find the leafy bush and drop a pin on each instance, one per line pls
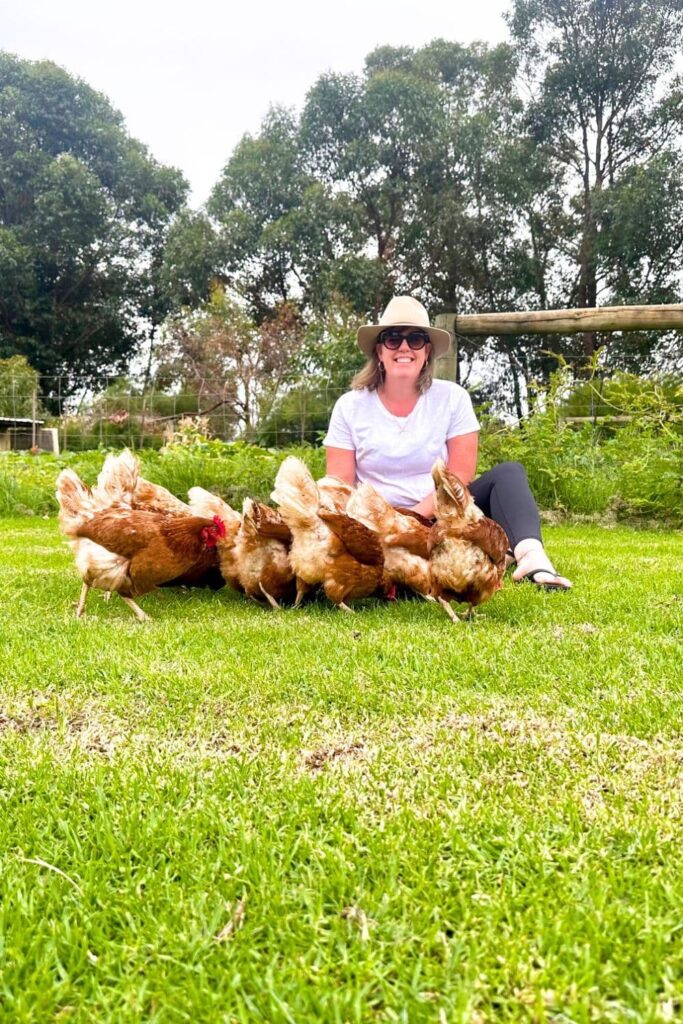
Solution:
(634, 470)
(234, 470)
(630, 468)
(18, 381)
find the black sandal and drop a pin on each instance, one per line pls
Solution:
(531, 576)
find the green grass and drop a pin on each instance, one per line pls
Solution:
(425, 822)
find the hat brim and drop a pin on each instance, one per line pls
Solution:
(369, 333)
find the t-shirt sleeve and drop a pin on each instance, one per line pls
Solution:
(463, 419)
(339, 431)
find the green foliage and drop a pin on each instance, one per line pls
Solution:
(631, 472)
(83, 216)
(606, 107)
(18, 381)
(277, 224)
(234, 470)
(635, 470)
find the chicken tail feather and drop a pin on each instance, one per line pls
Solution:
(370, 507)
(76, 502)
(449, 486)
(296, 494)
(117, 479)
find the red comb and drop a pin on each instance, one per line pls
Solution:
(220, 525)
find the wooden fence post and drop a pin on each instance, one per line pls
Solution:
(34, 410)
(446, 366)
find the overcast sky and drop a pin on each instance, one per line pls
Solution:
(191, 78)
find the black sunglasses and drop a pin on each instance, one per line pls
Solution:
(394, 336)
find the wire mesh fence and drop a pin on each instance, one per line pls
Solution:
(73, 415)
(76, 416)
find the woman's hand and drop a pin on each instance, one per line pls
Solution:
(426, 507)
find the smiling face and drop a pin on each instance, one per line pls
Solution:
(405, 362)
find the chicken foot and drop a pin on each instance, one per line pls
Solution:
(80, 607)
(85, 589)
(302, 588)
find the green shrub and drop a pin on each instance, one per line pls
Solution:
(631, 468)
(634, 470)
(233, 470)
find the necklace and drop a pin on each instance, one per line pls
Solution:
(401, 419)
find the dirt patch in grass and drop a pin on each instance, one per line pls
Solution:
(315, 760)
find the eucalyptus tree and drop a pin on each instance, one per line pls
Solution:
(84, 212)
(606, 105)
(374, 139)
(279, 228)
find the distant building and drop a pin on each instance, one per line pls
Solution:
(17, 435)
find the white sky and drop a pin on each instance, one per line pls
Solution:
(191, 78)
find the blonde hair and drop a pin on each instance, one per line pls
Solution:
(371, 375)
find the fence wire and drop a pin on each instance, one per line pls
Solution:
(79, 415)
(75, 415)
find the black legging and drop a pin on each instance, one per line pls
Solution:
(503, 495)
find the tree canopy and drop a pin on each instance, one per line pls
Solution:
(84, 212)
(543, 172)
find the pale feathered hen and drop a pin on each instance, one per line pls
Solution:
(404, 538)
(120, 480)
(328, 546)
(467, 550)
(262, 553)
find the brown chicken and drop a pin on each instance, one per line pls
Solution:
(467, 550)
(143, 549)
(328, 546)
(262, 551)
(120, 481)
(405, 539)
(253, 554)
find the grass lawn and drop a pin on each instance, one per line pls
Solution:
(230, 814)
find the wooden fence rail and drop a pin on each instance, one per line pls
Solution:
(567, 321)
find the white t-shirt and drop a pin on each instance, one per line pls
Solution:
(396, 453)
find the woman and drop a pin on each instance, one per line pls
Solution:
(396, 421)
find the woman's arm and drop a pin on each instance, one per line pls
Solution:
(462, 460)
(462, 456)
(342, 463)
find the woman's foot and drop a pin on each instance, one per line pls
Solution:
(534, 565)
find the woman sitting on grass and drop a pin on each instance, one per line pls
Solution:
(394, 424)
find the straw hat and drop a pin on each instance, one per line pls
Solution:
(403, 311)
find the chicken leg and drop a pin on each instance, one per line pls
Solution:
(136, 609)
(80, 607)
